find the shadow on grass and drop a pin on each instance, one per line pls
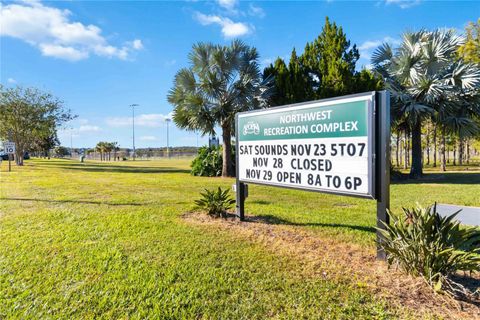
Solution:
(112, 168)
(443, 177)
(263, 202)
(73, 201)
(471, 285)
(270, 219)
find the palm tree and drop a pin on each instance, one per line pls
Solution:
(221, 81)
(425, 76)
(116, 148)
(101, 148)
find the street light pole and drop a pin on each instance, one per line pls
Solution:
(71, 142)
(133, 128)
(168, 142)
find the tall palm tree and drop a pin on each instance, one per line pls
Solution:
(116, 148)
(221, 81)
(101, 148)
(425, 76)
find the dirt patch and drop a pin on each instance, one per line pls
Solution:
(329, 258)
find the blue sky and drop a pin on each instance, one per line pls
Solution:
(100, 57)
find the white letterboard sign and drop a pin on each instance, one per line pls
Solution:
(324, 145)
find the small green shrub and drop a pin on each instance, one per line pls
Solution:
(208, 162)
(215, 202)
(423, 243)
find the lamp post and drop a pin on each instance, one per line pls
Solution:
(168, 142)
(133, 128)
(71, 142)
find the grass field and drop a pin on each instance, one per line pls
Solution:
(107, 240)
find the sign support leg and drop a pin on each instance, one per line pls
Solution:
(240, 203)
(382, 165)
(9, 162)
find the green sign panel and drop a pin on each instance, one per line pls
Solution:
(334, 121)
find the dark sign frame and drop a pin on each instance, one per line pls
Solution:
(380, 166)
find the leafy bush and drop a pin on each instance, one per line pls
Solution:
(425, 244)
(208, 162)
(215, 202)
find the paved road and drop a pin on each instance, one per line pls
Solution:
(468, 215)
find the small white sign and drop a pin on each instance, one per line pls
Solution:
(9, 147)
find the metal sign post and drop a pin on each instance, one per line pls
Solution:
(338, 146)
(382, 165)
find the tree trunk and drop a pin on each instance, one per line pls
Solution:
(409, 147)
(396, 149)
(435, 145)
(467, 155)
(405, 148)
(19, 151)
(416, 168)
(227, 167)
(454, 155)
(460, 151)
(443, 158)
(428, 144)
(400, 153)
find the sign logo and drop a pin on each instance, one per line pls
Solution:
(251, 127)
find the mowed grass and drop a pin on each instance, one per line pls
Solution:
(107, 240)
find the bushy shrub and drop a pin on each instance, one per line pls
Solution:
(423, 243)
(208, 162)
(215, 202)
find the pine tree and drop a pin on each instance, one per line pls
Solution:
(279, 71)
(330, 62)
(325, 69)
(298, 84)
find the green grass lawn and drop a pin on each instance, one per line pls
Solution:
(107, 240)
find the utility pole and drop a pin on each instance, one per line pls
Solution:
(168, 143)
(133, 128)
(71, 142)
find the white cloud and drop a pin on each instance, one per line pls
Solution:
(148, 138)
(11, 80)
(143, 120)
(404, 4)
(89, 128)
(256, 11)
(227, 4)
(62, 52)
(170, 63)
(230, 29)
(368, 47)
(51, 31)
(137, 44)
(84, 128)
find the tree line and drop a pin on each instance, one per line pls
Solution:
(105, 149)
(433, 78)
